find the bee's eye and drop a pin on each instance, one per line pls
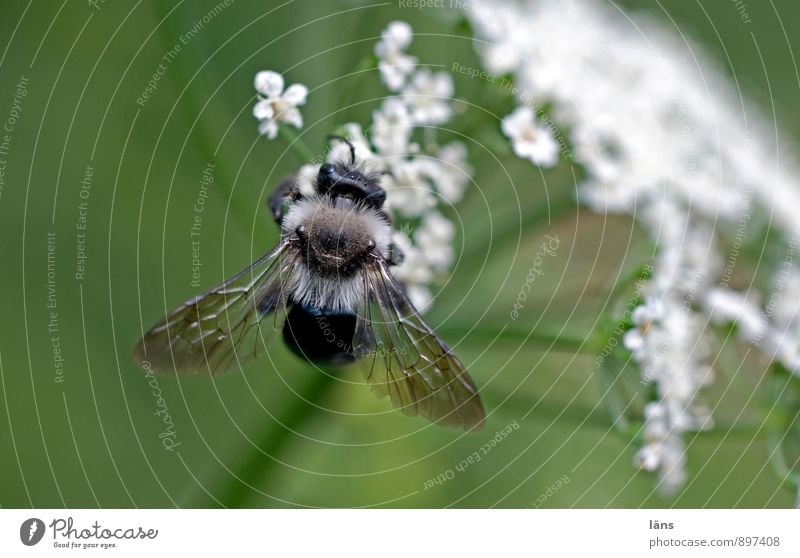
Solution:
(370, 245)
(300, 231)
(327, 168)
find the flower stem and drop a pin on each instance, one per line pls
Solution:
(548, 341)
(366, 64)
(782, 418)
(259, 465)
(297, 145)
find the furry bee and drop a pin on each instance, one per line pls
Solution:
(328, 287)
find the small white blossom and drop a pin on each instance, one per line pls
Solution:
(428, 96)
(782, 338)
(530, 139)
(785, 313)
(453, 173)
(276, 105)
(642, 317)
(666, 343)
(724, 305)
(393, 63)
(420, 297)
(775, 328)
(436, 234)
(414, 269)
(414, 272)
(509, 45)
(391, 128)
(663, 450)
(407, 192)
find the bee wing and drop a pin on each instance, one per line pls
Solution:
(418, 371)
(221, 330)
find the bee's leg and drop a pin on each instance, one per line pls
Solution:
(396, 255)
(286, 192)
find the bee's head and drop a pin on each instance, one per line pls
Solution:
(336, 237)
(346, 180)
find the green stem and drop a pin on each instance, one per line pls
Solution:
(297, 145)
(546, 410)
(615, 396)
(558, 343)
(594, 417)
(640, 273)
(258, 466)
(729, 361)
(777, 461)
(344, 102)
(779, 423)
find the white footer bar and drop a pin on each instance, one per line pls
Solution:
(400, 533)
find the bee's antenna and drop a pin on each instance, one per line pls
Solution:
(349, 144)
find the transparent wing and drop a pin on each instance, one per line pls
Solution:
(405, 358)
(224, 328)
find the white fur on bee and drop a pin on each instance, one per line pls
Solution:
(337, 294)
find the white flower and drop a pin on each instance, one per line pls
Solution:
(414, 269)
(452, 173)
(688, 260)
(391, 128)
(724, 305)
(407, 191)
(420, 297)
(661, 135)
(436, 234)
(782, 338)
(643, 317)
(530, 139)
(276, 105)
(414, 272)
(663, 450)
(508, 44)
(428, 97)
(393, 63)
(786, 312)
(775, 329)
(667, 344)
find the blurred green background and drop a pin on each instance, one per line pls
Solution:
(282, 433)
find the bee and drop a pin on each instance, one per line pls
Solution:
(328, 287)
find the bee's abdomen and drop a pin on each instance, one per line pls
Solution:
(319, 337)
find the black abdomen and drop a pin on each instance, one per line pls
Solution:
(319, 337)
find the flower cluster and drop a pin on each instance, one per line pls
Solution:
(419, 181)
(663, 137)
(393, 62)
